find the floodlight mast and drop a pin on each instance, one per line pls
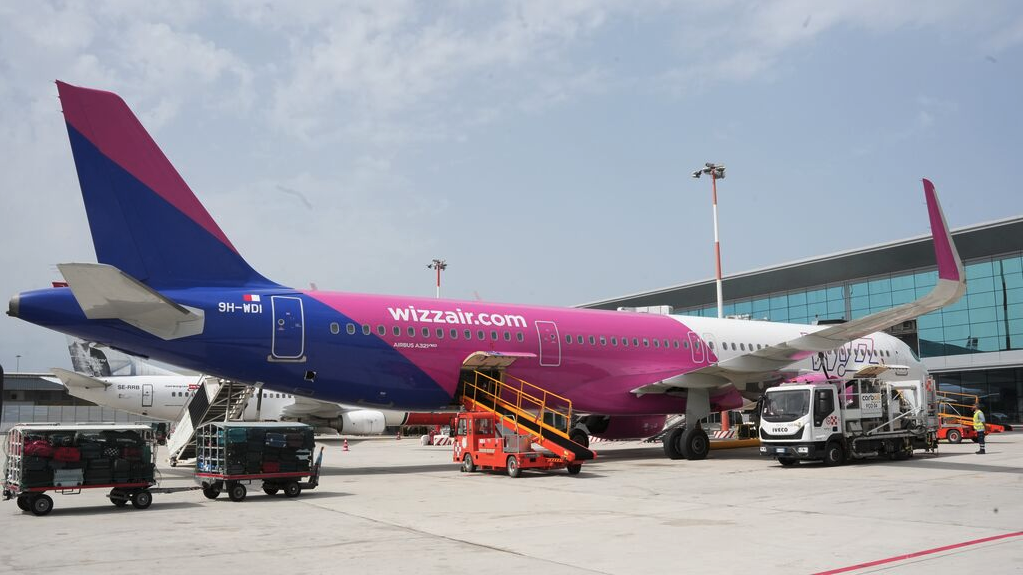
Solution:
(439, 265)
(717, 172)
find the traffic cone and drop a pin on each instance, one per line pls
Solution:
(346, 446)
(398, 436)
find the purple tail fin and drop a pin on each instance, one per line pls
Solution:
(144, 218)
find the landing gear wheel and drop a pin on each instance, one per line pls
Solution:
(118, 498)
(467, 465)
(787, 461)
(671, 442)
(834, 455)
(271, 488)
(23, 503)
(141, 499)
(292, 489)
(236, 492)
(579, 436)
(574, 469)
(513, 467)
(41, 504)
(694, 444)
(954, 436)
(211, 492)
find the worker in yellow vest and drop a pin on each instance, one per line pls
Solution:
(978, 426)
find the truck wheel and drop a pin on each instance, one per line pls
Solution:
(141, 499)
(954, 436)
(41, 504)
(579, 436)
(211, 492)
(513, 467)
(292, 489)
(575, 468)
(787, 461)
(467, 465)
(118, 498)
(834, 455)
(23, 503)
(236, 492)
(671, 442)
(694, 444)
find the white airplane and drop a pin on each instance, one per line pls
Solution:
(110, 378)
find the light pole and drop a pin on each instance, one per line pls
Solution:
(717, 172)
(439, 265)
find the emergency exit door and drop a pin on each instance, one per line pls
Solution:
(288, 328)
(147, 395)
(550, 343)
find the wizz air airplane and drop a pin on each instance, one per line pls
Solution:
(110, 378)
(170, 285)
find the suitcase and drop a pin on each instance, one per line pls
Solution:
(98, 476)
(38, 448)
(90, 450)
(289, 466)
(67, 477)
(56, 464)
(271, 454)
(237, 435)
(101, 463)
(295, 440)
(62, 440)
(256, 434)
(34, 463)
(252, 467)
(121, 466)
(271, 467)
(131, 453)
(235, 470)
(276, 440)
(37, 478)
(111, 452)
(67, 453)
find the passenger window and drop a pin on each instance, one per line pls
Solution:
(685, 344)
(397, 331)
(657, 343)
(733, 346)
(335, 328)
(467, 333)
(350, 328)
(568, 339)
(481, 335)
(366, 329)
(381, 330)
(519, 336)
(603, 340)
(426, 332)
(614, 341)
(453, 333)
(625, 342)
(507, 336)
(411, 331)
(592, 340)
(665, 344)
(493, 335)
(646, 342)
(440, 333)
(579, 339)
(675, 342)
(710, 344)
(635, 342)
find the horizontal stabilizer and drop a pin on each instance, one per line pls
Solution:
(105, 292)
(72, 379)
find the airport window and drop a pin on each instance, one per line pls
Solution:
(426, 332)
(366, 329)
(350, 328)
(507, 336)
(519, 336)
(397, 331)
(592, 340)
(453, 333)
(568, 338)
(467, 333)
(646, 342)
(411, 331)
(481, 335)
(335, 328)
(603, 340)
(381, 330)
(440, 333)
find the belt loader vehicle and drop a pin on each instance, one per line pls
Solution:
(835, 421)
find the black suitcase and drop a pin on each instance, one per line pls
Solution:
(33, 463)
(37, 478)
(101, 463)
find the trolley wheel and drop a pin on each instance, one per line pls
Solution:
(513, 467)
(292, 489)
(467, 464)
(41, 504)
(118, 497)
(236, 492)
(23, 503)
(211, 492)
(575, 468)
(271, 488)
(141, 499)
(954, 436)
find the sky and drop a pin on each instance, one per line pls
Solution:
(543, 149)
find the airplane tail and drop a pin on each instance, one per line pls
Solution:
(90, 359)
(144, 219)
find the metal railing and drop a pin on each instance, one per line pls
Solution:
(15, 414)
(548, 411)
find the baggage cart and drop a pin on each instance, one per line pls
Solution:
(276, 455)
(69, 458)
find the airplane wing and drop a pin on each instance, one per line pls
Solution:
(305, 407)
(72, 379)
(771, 360)
(105, 292)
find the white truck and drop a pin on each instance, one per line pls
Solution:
(835, 421)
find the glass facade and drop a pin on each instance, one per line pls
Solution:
(988, 318)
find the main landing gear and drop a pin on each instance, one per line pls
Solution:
(685, 443)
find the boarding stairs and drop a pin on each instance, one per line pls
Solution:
(525, 409)
(214, 400)
(670, 424)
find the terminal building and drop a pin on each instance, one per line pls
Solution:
(974, 346)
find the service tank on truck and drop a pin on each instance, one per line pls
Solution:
(838, 420)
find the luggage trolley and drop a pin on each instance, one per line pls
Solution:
(67, 458)
(279, 455)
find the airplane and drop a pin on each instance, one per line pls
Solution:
(170, 285)
(113, 379)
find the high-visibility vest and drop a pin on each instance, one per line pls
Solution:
(978, 420)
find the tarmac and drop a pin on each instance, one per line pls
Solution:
(388, 506)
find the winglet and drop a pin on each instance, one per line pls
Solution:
(949, 265)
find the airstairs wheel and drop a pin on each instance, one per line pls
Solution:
(467, 465)
(513, 467)
(954, 436)
(671, 443)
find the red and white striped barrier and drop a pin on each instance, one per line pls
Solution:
(730, 434)
(441, 440)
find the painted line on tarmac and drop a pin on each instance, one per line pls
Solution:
(919, 553)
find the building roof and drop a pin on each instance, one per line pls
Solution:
(973, 242)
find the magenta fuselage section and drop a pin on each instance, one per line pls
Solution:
(595, 358)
